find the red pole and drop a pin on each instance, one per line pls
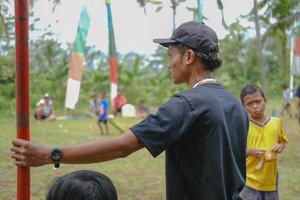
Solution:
(22, 91)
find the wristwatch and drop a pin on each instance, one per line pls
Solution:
(56, 156)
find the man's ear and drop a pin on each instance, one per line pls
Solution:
(190, 56)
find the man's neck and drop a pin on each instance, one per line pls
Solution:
(196, 77)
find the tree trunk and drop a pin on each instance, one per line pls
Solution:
(261, 60)
(174, 17)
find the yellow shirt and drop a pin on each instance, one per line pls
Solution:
(263, 136)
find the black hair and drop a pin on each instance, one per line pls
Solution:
(82, 185)
(210, 62)
(251, 89)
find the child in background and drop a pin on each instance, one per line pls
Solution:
(266, 138)
(142, 109)
(286, 101)
(93, 106)
(103, 110)
(118, 102)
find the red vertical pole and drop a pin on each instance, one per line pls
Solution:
(22, 91)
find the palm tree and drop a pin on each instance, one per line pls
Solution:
(284, 14)
(3, 22)
(261, 59)
(175, 4)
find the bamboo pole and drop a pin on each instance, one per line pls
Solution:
(22, 91)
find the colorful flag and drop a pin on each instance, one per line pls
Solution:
(77, 59)
(199, 11)
(296, 54)
(112, 54)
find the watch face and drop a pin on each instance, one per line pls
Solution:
(56, 155)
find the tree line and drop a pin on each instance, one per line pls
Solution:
(262, 58)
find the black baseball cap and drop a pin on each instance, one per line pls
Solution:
(196, 35)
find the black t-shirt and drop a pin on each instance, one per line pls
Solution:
(297, 94)
(203, 131)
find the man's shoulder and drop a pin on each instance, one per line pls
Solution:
(205, 93)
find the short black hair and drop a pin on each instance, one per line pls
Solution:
(82, 185)
(251, 89)
(210, 62)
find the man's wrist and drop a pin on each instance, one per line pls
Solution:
(56, 156)
(48, 158)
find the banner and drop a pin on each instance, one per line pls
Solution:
(112, 54)
(199, 11)
(296, 54)
(76, 61)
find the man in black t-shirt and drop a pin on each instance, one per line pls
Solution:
(203, 130)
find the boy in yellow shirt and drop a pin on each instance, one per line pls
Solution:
(266, 138)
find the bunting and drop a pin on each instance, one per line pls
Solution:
(77, 59)
(199, 11)
(296, 54)
(112, 54)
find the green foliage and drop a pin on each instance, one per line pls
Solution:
(147, 78)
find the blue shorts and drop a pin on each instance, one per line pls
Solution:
(102, 118)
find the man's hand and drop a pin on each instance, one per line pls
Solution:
(30, 154)
(258, 153)
(278, 148)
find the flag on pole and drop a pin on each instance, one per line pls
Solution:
(112, 54)
(77, 59)
(296, 54)
(199, 11)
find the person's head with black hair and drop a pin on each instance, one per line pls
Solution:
(82, 185)
(254, 101)
(193, 50)
(210, 62)
(251, 89)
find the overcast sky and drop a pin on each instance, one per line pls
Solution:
(134, 31)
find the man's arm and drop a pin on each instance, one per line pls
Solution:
(32, 154)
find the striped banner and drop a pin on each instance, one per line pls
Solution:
(77, 59)
(199, 11)
(296, 54)
(112, 54)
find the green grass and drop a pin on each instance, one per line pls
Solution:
(136, 177)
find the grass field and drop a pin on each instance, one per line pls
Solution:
(136, 177)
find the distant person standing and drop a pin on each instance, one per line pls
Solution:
(142, 109)
(43, 109)
(118, 102)
(103, 110)
(286, 101)
(93, 106)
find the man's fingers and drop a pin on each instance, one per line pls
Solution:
(20, 163)
(17, 156)
(16, 150)
(19, 142)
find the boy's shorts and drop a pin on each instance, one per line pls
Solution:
(251, 194)
(103, 119)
